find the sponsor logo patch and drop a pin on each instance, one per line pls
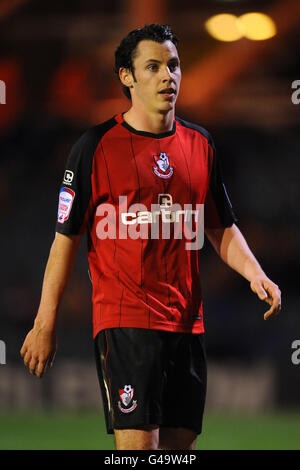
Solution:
(126, 396)
(65, 201)
(162, 168)
(165, 201)
(68, 177)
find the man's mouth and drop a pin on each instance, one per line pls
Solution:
(167, 91)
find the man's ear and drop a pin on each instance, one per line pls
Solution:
(126, 77)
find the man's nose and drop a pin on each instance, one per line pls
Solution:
(166, 74)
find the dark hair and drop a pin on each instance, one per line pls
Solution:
(125, 52)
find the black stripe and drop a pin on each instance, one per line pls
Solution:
(164, 182)
(138, 179)
(149, 311)
(187, 252)
(166, 266)
(121, 299)
(100, 303)
(166, 270)
(187, 167)
(111, 195)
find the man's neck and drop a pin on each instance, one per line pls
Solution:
(156, 123)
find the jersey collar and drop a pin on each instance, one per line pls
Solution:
(119, 118)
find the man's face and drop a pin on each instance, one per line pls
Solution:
(157, 76)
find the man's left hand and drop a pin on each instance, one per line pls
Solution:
(269, 292)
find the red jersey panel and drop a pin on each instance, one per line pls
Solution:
(138, 195)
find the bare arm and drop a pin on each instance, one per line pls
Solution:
(39, 347)
(233, 249)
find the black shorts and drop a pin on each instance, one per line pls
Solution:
(151, 377)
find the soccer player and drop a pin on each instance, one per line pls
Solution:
(131, 183)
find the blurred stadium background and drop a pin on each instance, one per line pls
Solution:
(56, 59)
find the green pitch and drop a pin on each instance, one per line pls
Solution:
(87, 431)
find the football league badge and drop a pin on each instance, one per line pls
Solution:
(65, 201)
(162, 168)
(126, 395)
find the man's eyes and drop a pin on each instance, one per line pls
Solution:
(172, 66)
(152, 67)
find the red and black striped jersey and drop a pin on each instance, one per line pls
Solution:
(133, 191)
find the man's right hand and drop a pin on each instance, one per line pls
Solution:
(39, 347)
(39, 350)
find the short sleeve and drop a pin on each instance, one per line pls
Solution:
(218, 211)
(75, 191)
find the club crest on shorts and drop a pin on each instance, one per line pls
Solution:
(162, 168)
(126, 395)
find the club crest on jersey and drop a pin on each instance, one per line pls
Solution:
(126, 396)
(65, 201)
(162, 168)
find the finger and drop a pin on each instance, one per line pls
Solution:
(27, 358)
(23, 350)
(270, 285)
(48, 363)
(32, 365)
(260, 291)
(268, 314)
(273, 290)
(274, 310)
(262, 294)
(41, 368)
